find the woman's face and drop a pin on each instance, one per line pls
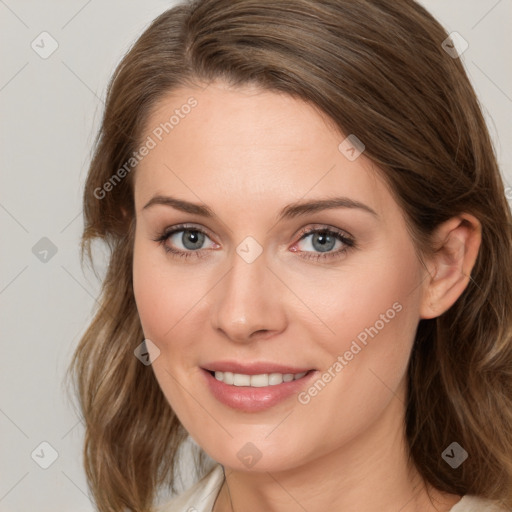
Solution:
(250, 291)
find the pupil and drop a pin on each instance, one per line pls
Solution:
(323, 239)
(188, 239)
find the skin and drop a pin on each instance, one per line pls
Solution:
(247, 153)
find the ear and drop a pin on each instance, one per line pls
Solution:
(457, 242)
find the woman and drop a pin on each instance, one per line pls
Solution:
(309, 231)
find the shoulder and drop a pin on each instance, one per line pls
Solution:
(198, 498)
(470, 503)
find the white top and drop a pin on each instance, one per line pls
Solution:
(201, 497)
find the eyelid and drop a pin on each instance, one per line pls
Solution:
(183, 227)
(312, 228)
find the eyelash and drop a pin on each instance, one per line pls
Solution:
(348, 242)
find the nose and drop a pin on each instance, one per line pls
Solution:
(248, 303)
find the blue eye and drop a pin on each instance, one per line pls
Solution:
(191, 239)
(323, 240)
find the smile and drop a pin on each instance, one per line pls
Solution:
(251, 389)
(256, 381)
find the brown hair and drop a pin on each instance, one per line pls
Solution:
(378, 69)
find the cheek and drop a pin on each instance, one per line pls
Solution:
(164, 295)
(370, 314)
(364, 297)
(149, 292)
(165, 299)
(374, 317)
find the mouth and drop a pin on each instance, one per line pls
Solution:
(249, 388)
(256, 381)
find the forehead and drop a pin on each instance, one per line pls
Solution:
(248, 147)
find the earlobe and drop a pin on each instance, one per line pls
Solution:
(457, 241)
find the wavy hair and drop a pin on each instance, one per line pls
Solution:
(377, 68)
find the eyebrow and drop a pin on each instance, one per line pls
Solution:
(288, 212)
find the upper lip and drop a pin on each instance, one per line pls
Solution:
(253, 368)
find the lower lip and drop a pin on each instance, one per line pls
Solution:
(249, 399)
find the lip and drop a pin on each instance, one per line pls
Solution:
(254, 368)
(249, 399)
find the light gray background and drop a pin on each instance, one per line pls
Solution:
(50, 111)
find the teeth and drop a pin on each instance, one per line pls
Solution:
(240, 379)
(275, 378)
(257, 381)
